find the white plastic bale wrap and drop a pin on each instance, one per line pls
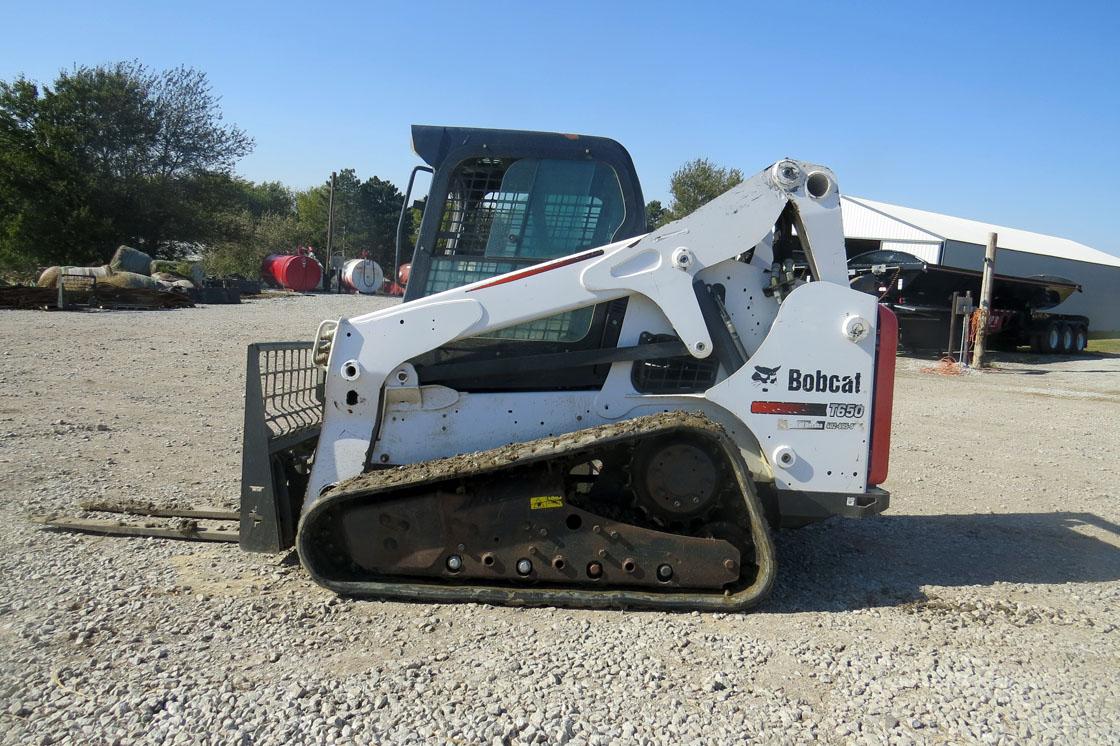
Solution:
(131, 280)
(49, 278)
(128, 259)
(363, 275)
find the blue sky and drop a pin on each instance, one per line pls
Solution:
(1003, 112)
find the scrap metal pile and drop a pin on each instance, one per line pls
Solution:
(131, 280)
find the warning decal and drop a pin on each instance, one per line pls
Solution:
(546, 501)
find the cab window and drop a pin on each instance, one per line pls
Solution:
(503, 214)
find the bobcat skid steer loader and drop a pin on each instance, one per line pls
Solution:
(567, 410)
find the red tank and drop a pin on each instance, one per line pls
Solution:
(397, 288)
(299, 272)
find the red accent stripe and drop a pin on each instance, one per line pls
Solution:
(780, 407)
(884, 397)
(536, 269)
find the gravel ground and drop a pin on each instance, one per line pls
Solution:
(981, 608)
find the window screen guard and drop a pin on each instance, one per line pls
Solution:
(504, 214)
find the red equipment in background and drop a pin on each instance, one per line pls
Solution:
(300, 272)
(397, 288)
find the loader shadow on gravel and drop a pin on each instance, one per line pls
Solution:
(843, 565)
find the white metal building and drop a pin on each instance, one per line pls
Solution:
(957, 242)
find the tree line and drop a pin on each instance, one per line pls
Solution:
(121, 153)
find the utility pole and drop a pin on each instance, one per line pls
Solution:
(985, 302)
(330, 224)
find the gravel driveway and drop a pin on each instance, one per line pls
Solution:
(982, 608)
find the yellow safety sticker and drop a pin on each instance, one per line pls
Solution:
(546, 501)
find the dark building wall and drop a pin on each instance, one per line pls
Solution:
(857, 246)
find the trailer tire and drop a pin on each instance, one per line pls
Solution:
(1066, 345)
(1050, 338)
(1080, 339)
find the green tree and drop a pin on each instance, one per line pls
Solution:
(349, 214)
(365, 216)
(381, 204)
(311, 212)
(412, 229)
(46, 210)
(252, 221)
(655, 215)
(268, 197)
(698, 182)
(248, 239)
(107, 155)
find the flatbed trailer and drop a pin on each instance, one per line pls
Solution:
(920, 294)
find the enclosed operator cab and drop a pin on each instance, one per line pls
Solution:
(505, 200)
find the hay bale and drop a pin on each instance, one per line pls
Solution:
(128, 259)
(130, 280)
(102, 271)
(49, 278)
(183, 284)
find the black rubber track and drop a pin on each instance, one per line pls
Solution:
(385, 483)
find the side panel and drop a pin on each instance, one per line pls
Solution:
(827, 431)
(807, 391)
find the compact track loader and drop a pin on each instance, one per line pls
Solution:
(568, 410)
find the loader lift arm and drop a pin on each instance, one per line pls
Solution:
(660, 266)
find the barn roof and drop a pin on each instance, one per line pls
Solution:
(866, 218)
